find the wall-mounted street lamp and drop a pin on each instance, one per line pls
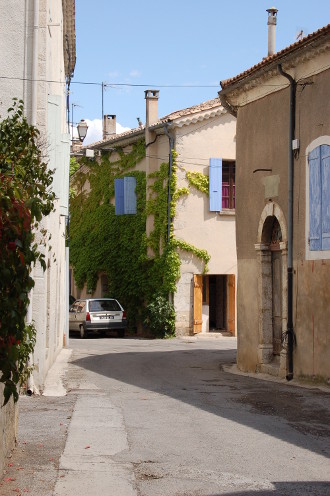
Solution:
(82, 129)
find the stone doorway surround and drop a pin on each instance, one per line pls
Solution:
(268, 362)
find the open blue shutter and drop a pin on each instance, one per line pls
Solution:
(119, 196)
(215, 185)
(325, 180)
(314, 160)
(129, 195)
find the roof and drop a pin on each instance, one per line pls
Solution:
(208, 105)
(295, 48)
(207, 109)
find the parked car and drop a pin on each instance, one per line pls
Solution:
(97, 315)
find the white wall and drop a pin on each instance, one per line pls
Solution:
(49, 296)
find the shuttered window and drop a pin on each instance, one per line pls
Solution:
(221, 184)
(125, 196)
(215, 185)
(319, 198)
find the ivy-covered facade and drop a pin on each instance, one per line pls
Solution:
(141, 257)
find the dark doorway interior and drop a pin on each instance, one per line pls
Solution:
(218, 302)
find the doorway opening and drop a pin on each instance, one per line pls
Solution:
(214, 303)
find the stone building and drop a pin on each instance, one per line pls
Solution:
(203, 137)
(283, 209)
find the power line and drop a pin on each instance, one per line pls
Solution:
(131, 85)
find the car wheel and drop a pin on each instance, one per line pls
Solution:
(83, 333)
(121, 333)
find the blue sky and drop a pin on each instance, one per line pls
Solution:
(175, 42)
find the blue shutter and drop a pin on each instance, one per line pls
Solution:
(314, 160)
(215, 185)
(119, 196)
(325, 180)
(129, 195)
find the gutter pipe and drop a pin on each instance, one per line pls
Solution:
(169, 199)
(30, 387)
(290, 331)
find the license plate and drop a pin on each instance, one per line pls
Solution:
(106, 317)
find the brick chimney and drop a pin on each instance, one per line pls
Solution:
(109, 126)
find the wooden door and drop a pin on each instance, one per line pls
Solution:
(198, 303)
(231, 304)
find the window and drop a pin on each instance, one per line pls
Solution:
(125, 196)
(319, 198)
(221, 184)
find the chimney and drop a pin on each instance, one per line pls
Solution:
(151, 107)
(109, 126)
(272, 20)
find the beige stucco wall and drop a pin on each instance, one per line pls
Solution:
(214, 232)
(262, 142)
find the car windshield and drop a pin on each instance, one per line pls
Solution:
(103, 305)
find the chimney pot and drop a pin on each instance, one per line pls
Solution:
(272, 21)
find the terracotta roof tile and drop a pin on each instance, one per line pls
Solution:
(204, 106)
(298, 45)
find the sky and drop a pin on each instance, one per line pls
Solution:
(181, 47)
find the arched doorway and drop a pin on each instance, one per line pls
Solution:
(272, 285)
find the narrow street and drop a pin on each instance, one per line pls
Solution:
(153, 418)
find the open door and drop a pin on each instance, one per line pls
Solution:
(198, 303)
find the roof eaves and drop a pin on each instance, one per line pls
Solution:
(272, 61)
(118, 139)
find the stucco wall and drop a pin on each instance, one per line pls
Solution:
(262, 143)
(48, 298)
(195, 144)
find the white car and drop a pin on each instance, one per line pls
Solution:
(97, 315)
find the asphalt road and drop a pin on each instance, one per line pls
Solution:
(193, 429)
(164, 418)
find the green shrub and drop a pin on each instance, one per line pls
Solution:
(160, 317)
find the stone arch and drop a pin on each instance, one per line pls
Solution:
(272, 209)
(271, 217)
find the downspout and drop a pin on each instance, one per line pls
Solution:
(290, 331)
(170, 167)
(30, 387)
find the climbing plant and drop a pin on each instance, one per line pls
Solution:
(25, 197)
(199, 181)
(142, 270)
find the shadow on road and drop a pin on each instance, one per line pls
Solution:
(286, 489)
(195, 376)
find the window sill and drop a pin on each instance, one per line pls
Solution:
(227, 211)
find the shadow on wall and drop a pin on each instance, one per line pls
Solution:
(195, 377)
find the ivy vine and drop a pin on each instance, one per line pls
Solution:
(25, 197)
(199, 181)
(100, 241)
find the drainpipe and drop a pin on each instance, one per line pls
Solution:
(290, 331)
(35, 49)
(30, 387)
(169, 199)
